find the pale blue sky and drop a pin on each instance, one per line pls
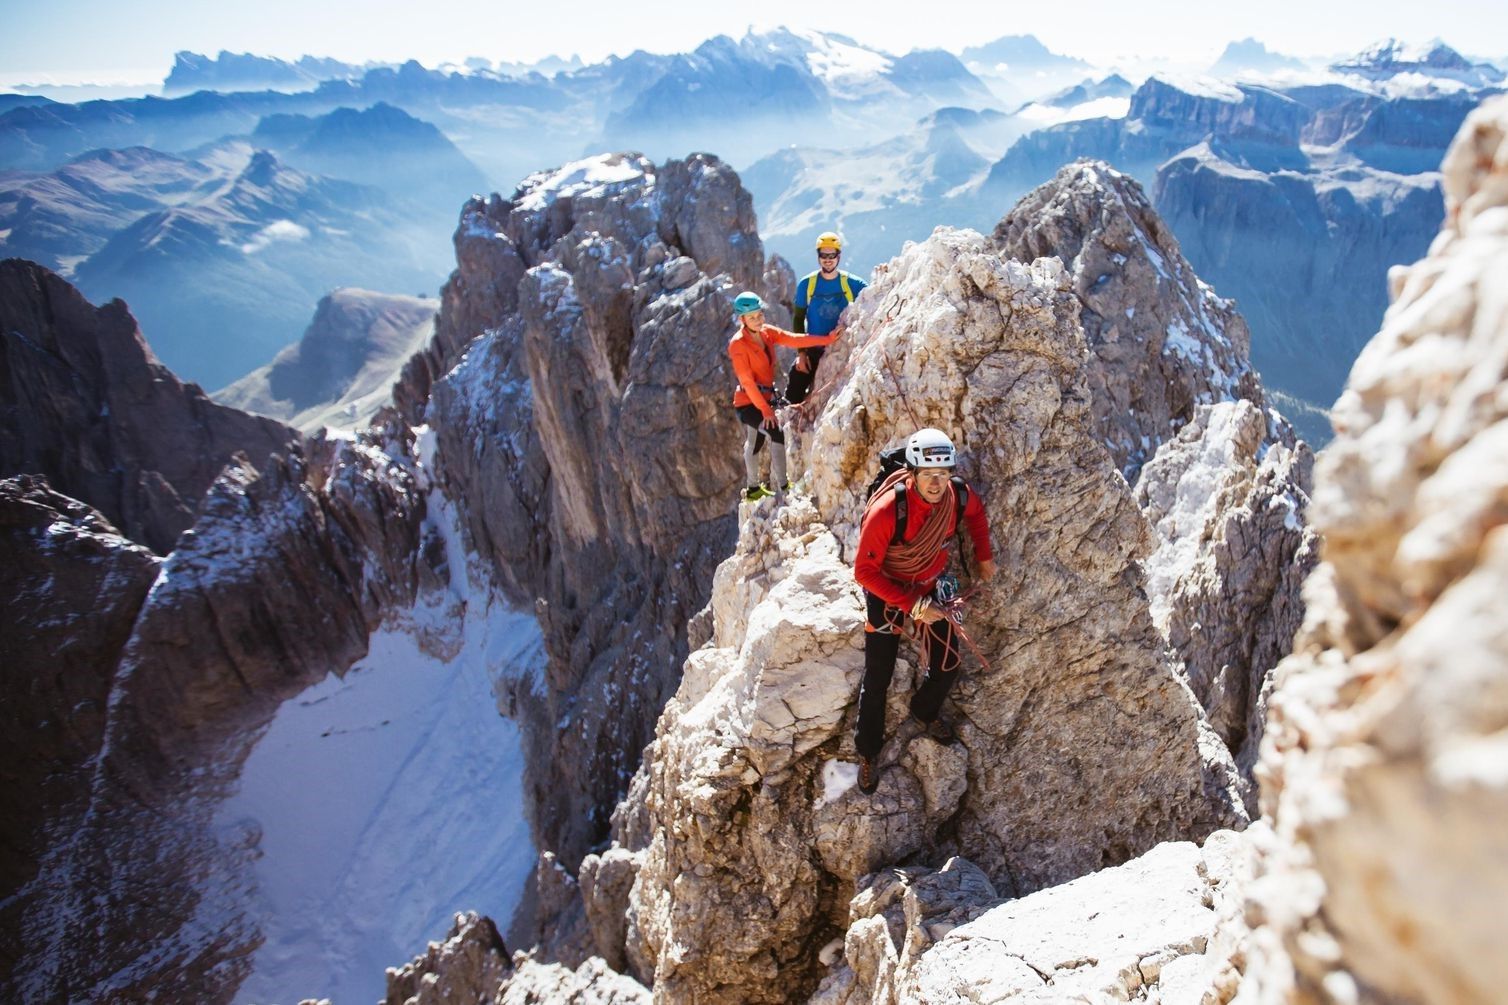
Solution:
(68, 41)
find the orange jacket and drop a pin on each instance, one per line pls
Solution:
(754, 365)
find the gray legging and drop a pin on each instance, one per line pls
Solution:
(754, 431)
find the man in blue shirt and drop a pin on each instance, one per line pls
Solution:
(821, 299)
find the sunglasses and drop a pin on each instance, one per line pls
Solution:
(824, 255)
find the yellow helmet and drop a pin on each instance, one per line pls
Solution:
(828, 241)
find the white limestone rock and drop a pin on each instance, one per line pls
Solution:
(1162, 927)
(1383, 769)
(1171, 379)
(1227, 498)
(465, 969)
(1079, 688)
(1161, 341)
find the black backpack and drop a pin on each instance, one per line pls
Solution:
(892, 461)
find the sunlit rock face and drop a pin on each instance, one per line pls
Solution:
(747, 835)
(1160, 340)
(1223, 480)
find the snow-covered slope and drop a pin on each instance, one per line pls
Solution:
(385, 801)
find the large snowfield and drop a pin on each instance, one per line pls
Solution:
(387, 801)
(390, 799)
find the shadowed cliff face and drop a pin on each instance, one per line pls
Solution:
(280, 582)
(587, 446)
(89, 406)
(73, 588)
(588, 436)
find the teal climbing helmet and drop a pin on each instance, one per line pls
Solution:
(747, 303)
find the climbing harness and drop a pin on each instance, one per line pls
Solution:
(954, 605)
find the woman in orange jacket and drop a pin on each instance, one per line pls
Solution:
(752, 351)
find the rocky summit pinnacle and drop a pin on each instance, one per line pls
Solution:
(594, 306)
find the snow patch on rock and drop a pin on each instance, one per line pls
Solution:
(591, 176)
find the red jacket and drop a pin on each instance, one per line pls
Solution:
(754, 365)
(879, 526)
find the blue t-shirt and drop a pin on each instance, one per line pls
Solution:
(827, 300)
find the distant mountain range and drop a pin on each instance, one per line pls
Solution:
(741, 97)
(1335, 165)
(382, 146)
(1294, 198)
(242, 71)
(375, 156)
(60, 218)
(243, 237)
(1018, 68)
(1250, 56)
(1436, 60)
(1017, 54)
(879, 195)
(229, 277)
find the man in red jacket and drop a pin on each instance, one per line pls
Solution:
(899, 573)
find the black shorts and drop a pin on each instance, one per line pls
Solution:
(751, 416)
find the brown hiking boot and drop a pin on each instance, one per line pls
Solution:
(940, 730)
(869, 775)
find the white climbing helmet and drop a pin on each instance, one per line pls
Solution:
(929, 448)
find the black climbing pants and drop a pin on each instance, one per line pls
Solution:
(798, 384)
(882, 642)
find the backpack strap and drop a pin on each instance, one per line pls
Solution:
(811, 286)
(961, 496)
(901, 507)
